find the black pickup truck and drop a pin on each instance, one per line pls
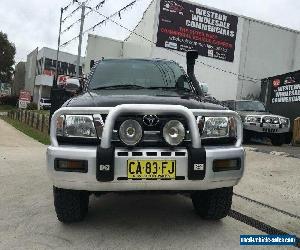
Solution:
(144, 125)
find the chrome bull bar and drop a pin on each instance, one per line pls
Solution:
(145, 109)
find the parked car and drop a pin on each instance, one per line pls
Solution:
(258, 122)
(45, 103)
(144, 125)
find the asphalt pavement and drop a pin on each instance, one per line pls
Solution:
(265, 146)
(28, 220)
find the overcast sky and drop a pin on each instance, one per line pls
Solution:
(34, 23)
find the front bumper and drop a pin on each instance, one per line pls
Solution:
(88, 181)
(116, 181)
(265, 128)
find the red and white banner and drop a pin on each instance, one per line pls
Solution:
(62, 80)
(24, 99)
(25, 95)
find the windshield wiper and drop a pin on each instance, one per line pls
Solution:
(120, 86)
(248, 110)
(167, 88)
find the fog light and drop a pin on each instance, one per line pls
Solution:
(174, 132)
(226, 165)
(130, 132)
(71, 165)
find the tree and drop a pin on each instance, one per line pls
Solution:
(7, 55)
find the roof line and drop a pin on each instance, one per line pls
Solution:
(106, 37)
(60, 51)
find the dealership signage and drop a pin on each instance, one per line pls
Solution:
(24, 98)
(184, 26)
(286, 88)
(62, 80)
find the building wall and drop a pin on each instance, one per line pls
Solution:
(140, 46)
(62, 56)
(98, 47)
(30, 70)
(267, 50)
(296, 62)
(31, 64)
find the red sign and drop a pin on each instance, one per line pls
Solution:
(25, 96)
(184, 26)
(62, 80)
(276, 83)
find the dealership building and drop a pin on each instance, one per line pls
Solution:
(236, 52)
(40, 69)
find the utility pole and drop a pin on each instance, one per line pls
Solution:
(80, 39)
(56, 94)
(57, 52)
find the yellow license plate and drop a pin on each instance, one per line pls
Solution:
(151, 169)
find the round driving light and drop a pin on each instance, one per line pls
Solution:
(130, 132)
(174, 132)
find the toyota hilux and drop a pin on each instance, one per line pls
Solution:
(144, 125)
(258, 122)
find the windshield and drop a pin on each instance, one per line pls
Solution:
(138, 74)
(250, 106)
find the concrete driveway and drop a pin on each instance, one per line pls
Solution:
(28, 220)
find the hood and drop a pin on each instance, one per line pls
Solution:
(112, 98)
(245, 113)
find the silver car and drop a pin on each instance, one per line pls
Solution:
(258, 122)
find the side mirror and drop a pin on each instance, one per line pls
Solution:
(72, 85)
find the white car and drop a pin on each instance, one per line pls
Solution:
(45, 103)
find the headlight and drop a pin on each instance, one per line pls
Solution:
(250, 118)
(211, 127)
(284, 121)
(215, 127)
(130, 132)
(76, 126)
(174, 132)
(79, 126)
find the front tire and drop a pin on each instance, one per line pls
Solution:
(70, 205)
(277, 140)
(246, 136)
(213, 204)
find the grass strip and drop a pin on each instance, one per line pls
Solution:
(27, 130)
(4, 108)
